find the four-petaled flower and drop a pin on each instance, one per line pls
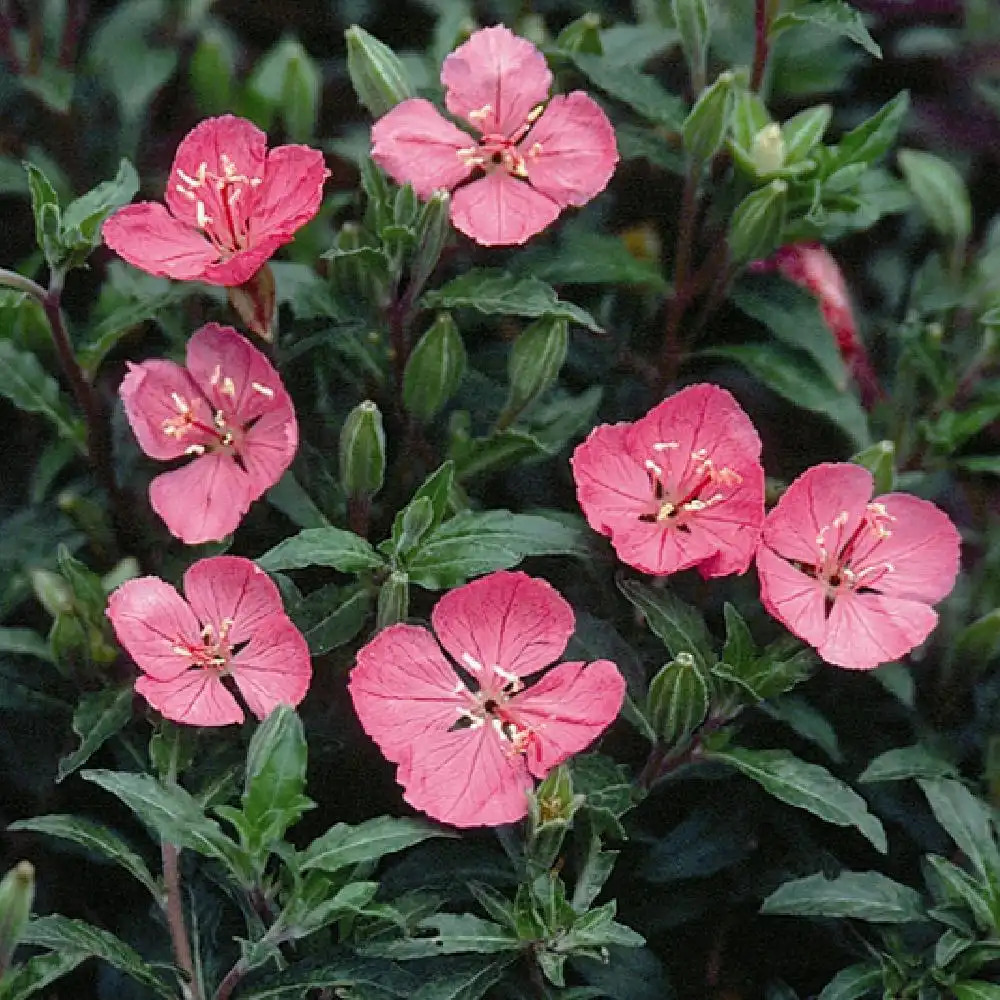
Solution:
(231, 625)
(230, 204)
(466, 733)
(682, 487)
(852, 576)
(529, 161)
(229, 409)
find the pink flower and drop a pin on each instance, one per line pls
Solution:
(682, 487)
(227, 408)
(813, 267)
(232, 626)
(852, 576)
(529, 161)
(230, 204)
(468, 736)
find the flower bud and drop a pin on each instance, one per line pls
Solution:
(677, 702)
(17, 893)
(362, 451)
(705, 126)
(213, 71)
(393, 600)
(434, 369)
(551, 809)
(756, 225)
(534, 364)
(52, 591)
(582, 35)
(255, 302)
(379, 78)
(768, 151)
(693, 21)
(879, 459)
(433, 229)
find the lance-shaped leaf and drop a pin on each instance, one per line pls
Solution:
(343, 846)
(334, 547)
(967, 821)
(680, 626)
(868, 896)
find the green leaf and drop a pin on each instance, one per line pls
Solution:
(273, 798)
(341, 619)
(24, 642)
(975, 989)
(45, 209)
(474, 543)
(172, 814)
(82, 219)
(798, 380)
(94, 837)
(469, 984)
(793, 315)
(808, 722)
(456, 933)
(866, 896)
(854, 982)
(805, 786)
(907, 762)
(641, 92)
(60, 934)
(872, 138)
(772, 673)
(939, 190)
(334, 547)
(98, 717)
(967, 821)
(597, 928)
(952, 887)
(343, 846)
(341, 971)
(497, 293)
(680, 626)
(31, 977)
(596, 259)
(979, 641)
(30, 388)
(288, 496)
(434, 491)
(831, 15)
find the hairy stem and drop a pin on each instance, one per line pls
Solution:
(175, 917)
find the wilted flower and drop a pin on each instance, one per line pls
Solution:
(230, 204)
(468, 736)
(682, 487)
(230, 626)
(228, 409)
(529, 161)
(852, 576)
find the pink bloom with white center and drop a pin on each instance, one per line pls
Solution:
(229, 410)
(230, 626)
(528, 160)
(852, 576)
(451, 708)
(681, 487)
(231, 203)
(813, 267)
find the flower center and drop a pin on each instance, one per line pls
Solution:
(681, 492)
(487, 706)
(215, 651)
(496, 151)
(220, 200)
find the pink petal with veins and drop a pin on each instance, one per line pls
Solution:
(195, 698)
(500, 210)
(274, 667)
(236, 590)
(151, 239)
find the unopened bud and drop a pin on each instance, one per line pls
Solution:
(362, 451)
(534, 364)
(434, 369)
(768, 152)
(678, 699)
(705, 126)
(379, 78)
(213, 71)
(582, 35)
(52, 591)
(433, 229)
(393, 600)
(756, 226)
(17, 894)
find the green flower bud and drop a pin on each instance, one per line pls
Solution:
(582, 35)
(52, 591)
(379, 78)
(534, 364)
(362, 451)
(287, 81)
(879, 460)
(551, 808)
(768, 150)
(677, 702)
(17, 894)
(213, 71)
(756, 226)
(705, 126)
(693, 20)
(434, 369)
(393, 600)
(433, 229)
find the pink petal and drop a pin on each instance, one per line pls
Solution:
(612, 486)
(570, 153)
(498, 210)
(735, 525)
(796, 599)
(661, 549)
(466, 778)
(404, 690)
(274, 669)
(204, 501)
(494, 80)
(150, 238)
(237, 590)
(240, 267)
(151, 621)
(567, 710)
(414, 144)
(922, 549)
(291, 193)
(154, 395)
(195, 698)
(509, 621)
(268, 448)
(865, 630)
(241, 141)
(811, 504)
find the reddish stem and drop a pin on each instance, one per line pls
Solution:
(762, 29)
(175, 917)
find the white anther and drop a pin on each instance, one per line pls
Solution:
(195, 449)
(180, 402)
(202, 217)
(473, 665)
(651, 466)
(666, 446)
(264, 390)
(228, 388)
